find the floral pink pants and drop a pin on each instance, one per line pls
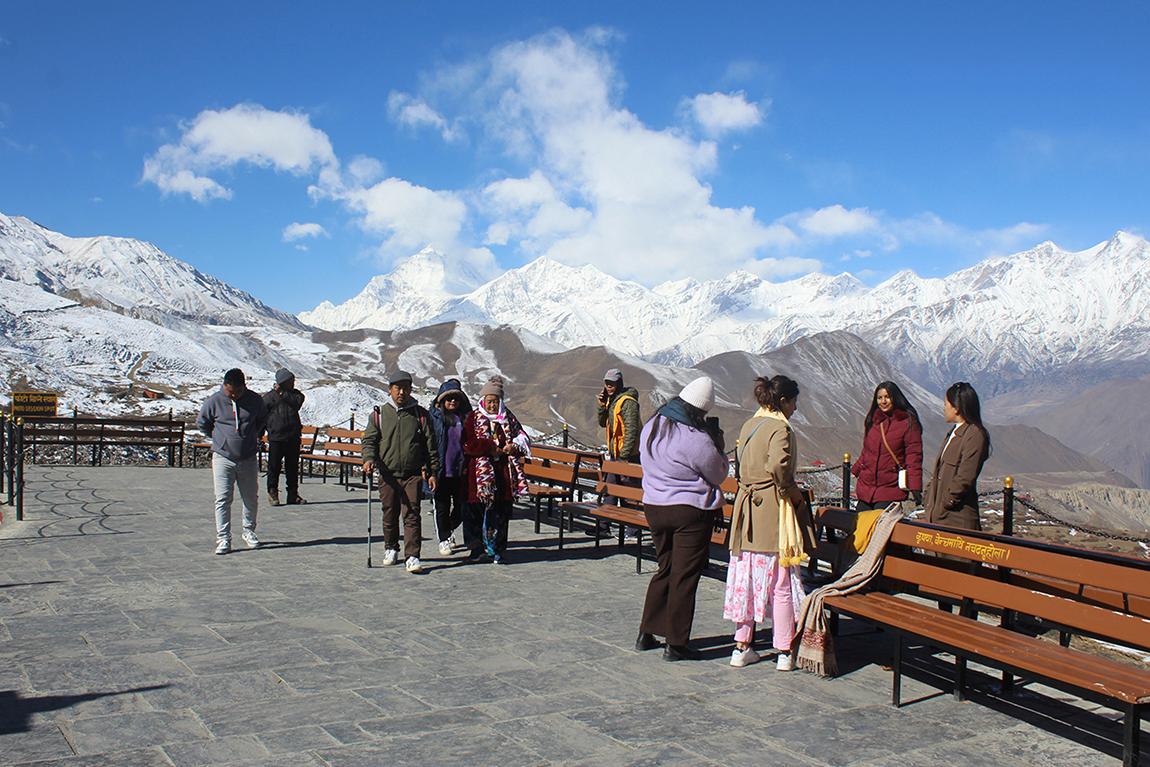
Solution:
(754, 582)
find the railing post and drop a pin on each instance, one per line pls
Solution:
(352, 426)
(847, 481)
(11, 461)
(566, 436)
(20, 470)
(3, 450)
(1008, 506)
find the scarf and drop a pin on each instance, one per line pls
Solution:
(790, 536)
(812, 647)
(496, 427)
(675, 411)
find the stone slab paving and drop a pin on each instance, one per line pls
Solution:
(125, 641)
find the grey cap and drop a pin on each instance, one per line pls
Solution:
(399, 376)
(283, 375)
(614, 374)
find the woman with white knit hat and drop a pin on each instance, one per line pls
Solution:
(683, 467)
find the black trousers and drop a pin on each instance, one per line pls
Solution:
(287, 454)
(682, 537)
(448, 506)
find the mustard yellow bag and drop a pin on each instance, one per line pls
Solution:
(864, 527)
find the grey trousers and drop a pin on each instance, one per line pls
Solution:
(226, 474)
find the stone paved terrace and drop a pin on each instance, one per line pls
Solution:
(126, 641)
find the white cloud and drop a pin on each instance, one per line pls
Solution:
(297, 231)
(837, 221)
(409, 217)
(603, 187)
(247, 133)
(408, 110)
(721, 113)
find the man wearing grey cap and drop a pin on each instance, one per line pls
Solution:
(619, 414)
(284, 432)
(400, 441)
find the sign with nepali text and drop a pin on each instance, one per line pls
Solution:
(34, 403)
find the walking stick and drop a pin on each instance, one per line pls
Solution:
(370, 493)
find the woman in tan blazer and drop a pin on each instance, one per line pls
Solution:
(951, 497)
(763, 574)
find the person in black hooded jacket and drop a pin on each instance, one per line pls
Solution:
(447, 413)
(284, 431)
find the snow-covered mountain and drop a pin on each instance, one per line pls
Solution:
(1003, 323)
(125, 275)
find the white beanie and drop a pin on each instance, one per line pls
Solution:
(700, 393)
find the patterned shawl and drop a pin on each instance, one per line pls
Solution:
(502, 427)
(812, 647)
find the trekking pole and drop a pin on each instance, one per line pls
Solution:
(370, 492)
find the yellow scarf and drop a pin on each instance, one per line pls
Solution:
(790, 536)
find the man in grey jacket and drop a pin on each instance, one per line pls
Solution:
(234, 418)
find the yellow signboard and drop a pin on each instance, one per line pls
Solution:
(34, 403)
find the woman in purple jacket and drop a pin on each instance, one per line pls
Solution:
(683, 467)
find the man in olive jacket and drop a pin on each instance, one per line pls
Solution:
(400, 441)
(619, 414)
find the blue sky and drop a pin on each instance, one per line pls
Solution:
(297, 152)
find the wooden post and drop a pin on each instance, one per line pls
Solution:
(1008, 506)
(847, 481)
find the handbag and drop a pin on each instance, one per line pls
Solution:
(902, 483)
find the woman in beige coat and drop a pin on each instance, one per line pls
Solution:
(770, 526)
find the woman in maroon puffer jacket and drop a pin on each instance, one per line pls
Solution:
(893, 417)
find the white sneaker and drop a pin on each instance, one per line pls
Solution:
(445, 548)
(389, 556)
(452, 541)
(785, 662)
(740, 658)
(223, 546)
(251, 540)
(413, 565)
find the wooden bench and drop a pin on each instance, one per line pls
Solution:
(553, 475)
(1071, 590)
(628, 511)
(306, 444)
(342, 447)
(98, 433)
(833, 528)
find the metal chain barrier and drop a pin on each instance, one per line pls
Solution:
(1084, 528)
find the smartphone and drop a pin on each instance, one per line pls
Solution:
(713, 423)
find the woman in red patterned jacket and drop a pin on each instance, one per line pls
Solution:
(494, 443)
(892, 444)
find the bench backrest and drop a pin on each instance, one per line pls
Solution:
(342, 442)
(88, 430)
(552, 466)
(609, 474)
(1090, 593)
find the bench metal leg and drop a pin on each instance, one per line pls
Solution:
(959, 678)
(1132, 736)
(638, 549)
(562, 521)
(896, 667)
(538, 511)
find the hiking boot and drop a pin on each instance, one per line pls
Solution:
(274, 497)
(295, 500)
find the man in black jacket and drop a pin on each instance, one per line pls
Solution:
(284, 431)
